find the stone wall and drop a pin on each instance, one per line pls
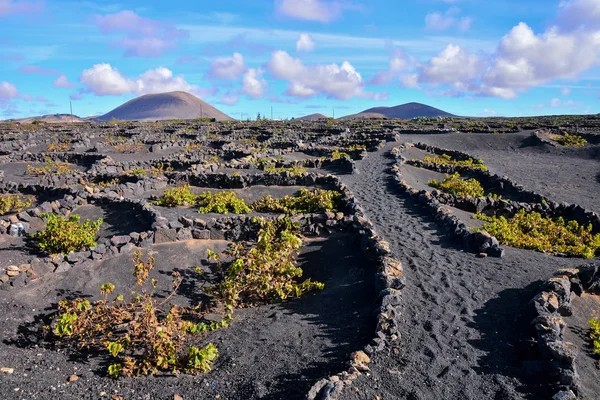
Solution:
(551, 305)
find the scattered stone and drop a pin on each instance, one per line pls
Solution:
(360, 360)
(17, 230)
(100, 249)
(201, 234)
(78, 257)
(62, 267)
(163, 235)
(565, 395)
(6, 370)
(120, 240)
(128, 248)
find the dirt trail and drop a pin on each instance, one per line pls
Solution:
(465, 328)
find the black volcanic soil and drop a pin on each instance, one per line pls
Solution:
(270, 352)
(585, 307)
(118, 218)
(466, 329)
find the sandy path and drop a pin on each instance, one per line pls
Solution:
(465, 327)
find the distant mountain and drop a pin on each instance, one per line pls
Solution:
(404, 111)
(313, 117)
(162, 106)
(49, 119)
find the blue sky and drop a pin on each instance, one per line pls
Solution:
(468, 57)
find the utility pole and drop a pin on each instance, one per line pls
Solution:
(71, 106)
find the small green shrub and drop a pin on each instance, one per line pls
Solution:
(294, 170)
(178, 196)
(58, 147)
(13, 203)
(268, 271)
(136, 172)
(595, 335)
(200, 360)
(130, 148)
(64, 235)
(222, 203)
(445, 159)
(305, 201)
(193, 147)
(336, 155)
(534, 232)
(570, 140)
(461, 187)
(357, 147)
(100, 184)
(141, 336)
(51, 168)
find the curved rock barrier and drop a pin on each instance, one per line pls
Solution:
(551, 305)
(480, 242)
(390, 282)
(18, 225)
(389, 273)
(523, 199)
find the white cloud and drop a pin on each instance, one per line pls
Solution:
(336, 81)
(144, 37)
(9, 7)
(464, 24)
(305, 43)
(230, 98)
(63, 82)
(104, 80)
(298, 90)
(558, 103)
(410, 81)
(227, 68)
(253, 84)
(453, 65)
(565, 91)
(579, 14)
(312, 10)
(523, 59)
(398, 62)
(160, 80)
(8, 90)
(440, 22)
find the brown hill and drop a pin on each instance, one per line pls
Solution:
(162, 106)
(49, 119)
(404, 111)
(312, 117)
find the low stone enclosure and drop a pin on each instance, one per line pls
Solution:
(553, 305)
(514, 198)
(79, 192)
